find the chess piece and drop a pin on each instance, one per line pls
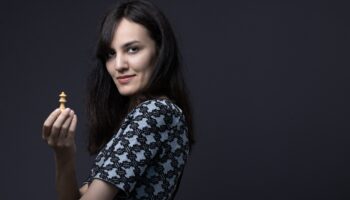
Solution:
(62, 101)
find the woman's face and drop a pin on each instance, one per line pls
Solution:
(131, 59)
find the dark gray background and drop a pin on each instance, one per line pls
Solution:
(269, 82)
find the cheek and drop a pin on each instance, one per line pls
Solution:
(109, 68)
(143, 62)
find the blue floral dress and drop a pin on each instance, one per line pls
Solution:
(146, 157)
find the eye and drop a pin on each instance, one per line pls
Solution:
(133, 50)
(110, 54)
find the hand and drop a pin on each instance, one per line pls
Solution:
(59, 131)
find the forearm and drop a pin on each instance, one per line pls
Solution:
(59, 131)
(66, 182)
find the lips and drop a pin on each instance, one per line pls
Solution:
(125, 79)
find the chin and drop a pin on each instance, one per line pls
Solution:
(126, 92)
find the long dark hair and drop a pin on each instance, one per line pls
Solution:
(106, 107)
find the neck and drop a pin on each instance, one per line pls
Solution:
(137, 99)
(134, 101)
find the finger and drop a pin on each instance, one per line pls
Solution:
(48, 123)
(64, 129)
(72, 127)
(56, 127)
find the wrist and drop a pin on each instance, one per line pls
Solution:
(65, 157)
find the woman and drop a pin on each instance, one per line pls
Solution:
(139, 114)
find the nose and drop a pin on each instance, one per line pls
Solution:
(121, 63)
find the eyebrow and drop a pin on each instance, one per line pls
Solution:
(130, 43)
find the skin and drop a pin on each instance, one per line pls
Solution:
(132, 53)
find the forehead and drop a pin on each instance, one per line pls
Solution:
(128, 31)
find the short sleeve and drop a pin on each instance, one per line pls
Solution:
(127, 155)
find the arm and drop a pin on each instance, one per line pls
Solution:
(100, 190)
(58, 132)
(83, 189)
(66, 183)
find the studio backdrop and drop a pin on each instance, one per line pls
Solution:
(269, 84)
